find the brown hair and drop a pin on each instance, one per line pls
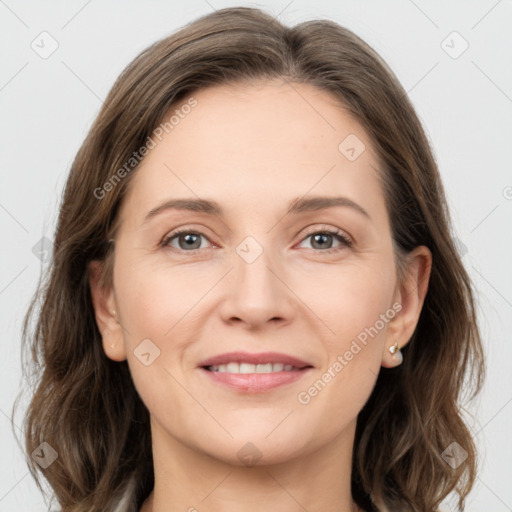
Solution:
(85, 405)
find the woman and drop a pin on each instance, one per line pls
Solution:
(198, 348)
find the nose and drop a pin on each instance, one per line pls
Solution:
(258, 293)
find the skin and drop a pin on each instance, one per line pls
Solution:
(253, 149)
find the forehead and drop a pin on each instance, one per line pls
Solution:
(259, 144)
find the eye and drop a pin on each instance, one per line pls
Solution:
(187, 240)
(322, 240)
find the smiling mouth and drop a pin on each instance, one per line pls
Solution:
(245, 368)
(254, 373)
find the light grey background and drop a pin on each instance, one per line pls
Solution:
(47, 105)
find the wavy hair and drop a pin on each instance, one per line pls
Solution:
(85, 405)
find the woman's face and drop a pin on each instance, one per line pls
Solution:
(285, 249)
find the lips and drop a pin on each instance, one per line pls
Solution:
(245, 373)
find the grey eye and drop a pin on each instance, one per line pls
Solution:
(187, 240)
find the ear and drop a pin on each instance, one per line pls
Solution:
(410, 294)
(106, 314)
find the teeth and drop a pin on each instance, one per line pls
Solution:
(247, 368)
(231, 367)
(252, 368)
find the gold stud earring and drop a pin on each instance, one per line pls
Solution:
(397, 353)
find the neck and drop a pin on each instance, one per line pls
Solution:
(188, 480)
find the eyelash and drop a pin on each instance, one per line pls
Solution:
(344, 239)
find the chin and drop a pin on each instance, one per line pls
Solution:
(260, 449)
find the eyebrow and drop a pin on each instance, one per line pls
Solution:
(296, 206)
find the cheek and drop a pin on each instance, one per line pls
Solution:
(355, 308)
(160, 304)
(358, 313)
(156, 300)
(349, 301)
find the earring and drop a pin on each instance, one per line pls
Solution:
(397, 353)
(113, 312)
